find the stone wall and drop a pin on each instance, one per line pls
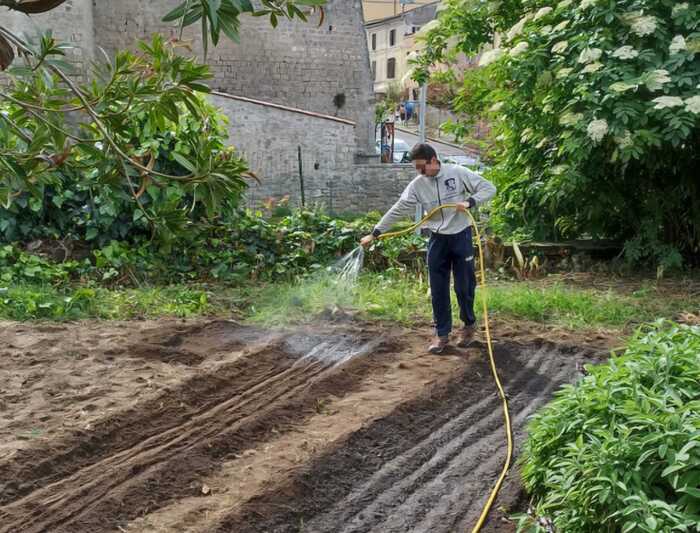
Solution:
(270, 137)
(297, 64)
(364, 187)
(72, 23)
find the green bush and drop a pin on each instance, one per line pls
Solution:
(148, 157)
(596, 107)
(241, 246)
(620, 450)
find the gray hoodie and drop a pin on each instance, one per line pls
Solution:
(453, 184)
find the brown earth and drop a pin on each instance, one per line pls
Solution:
(203, 426)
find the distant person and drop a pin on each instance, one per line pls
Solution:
(402, 114)
(450, 250)
(410, 107)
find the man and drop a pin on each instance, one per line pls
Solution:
(450, 249)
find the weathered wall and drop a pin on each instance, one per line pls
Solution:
(296, 64)
(71, 23)
(270, 137)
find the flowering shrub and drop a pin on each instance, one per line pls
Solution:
(598, 111)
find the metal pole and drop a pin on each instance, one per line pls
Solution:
(421, 115)
(301, 178)
(421, 136)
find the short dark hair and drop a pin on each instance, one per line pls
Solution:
(423, 151)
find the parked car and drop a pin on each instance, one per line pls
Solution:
(472, 163)
(402, 150)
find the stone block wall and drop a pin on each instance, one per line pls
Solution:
(71, 23)
(269, 138)
(297, 64)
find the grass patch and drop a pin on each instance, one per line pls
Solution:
(405, 298)
(392, 295)
(29, 302)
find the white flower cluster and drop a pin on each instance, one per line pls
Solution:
(433, 24)
(589, 55)
(585, 4)
(559, 170)
(657, 79)
(666, 102)
(564, 73)
(592, 67)
(564, 4)
(519, 48)
(678, 44)
(643, 25)
(625, 52)
(625, 141)
(562, 25)
(543, 12)
(560, 47)
(621, 87)
(490, 56)
(692, 105)
(570, 119)
(519, 26)
(680, 8)
(597, 129)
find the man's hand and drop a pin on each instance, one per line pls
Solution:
(462, 207)
(367, 240)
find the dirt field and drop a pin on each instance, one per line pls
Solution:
(203, 426)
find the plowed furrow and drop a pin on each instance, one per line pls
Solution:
(164, 466)
(428, 457)
(464, 482)
(427, 466)
(42, 466)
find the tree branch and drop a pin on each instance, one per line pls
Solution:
(26, 138)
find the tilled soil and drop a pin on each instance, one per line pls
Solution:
(427, 466)
(214, 426)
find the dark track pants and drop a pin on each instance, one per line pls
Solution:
(451, 254)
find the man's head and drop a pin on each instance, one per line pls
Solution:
(425, 159)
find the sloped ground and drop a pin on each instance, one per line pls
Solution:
(205, 426)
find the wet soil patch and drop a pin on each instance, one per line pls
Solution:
(150, 456)
(428, 466)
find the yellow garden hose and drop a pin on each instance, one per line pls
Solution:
(506, 414)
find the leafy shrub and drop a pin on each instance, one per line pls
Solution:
(17, 266)
(147, 157)
(620, 450)
(596, 106)
(241, 246)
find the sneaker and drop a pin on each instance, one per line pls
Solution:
(466, 336)
(439, 344)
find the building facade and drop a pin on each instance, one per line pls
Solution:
(391, 41)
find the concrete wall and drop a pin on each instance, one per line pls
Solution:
(270, 137)
(71, 23)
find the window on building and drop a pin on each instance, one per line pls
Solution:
(392, 38)
(374, 41)
(391, 68)
(374, 70)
